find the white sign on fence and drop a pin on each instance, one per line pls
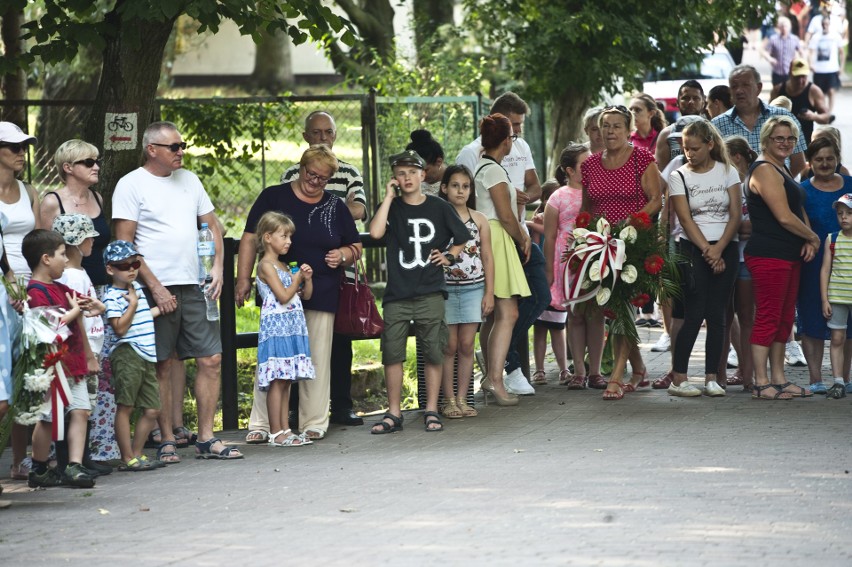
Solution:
(120, 131)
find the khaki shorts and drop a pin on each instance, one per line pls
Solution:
(427, 313)
(134, 379)
(79, 399)
(186, 330)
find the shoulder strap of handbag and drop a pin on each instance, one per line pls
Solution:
(685, 188)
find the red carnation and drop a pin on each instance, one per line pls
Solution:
(654, 264)
(641, 300)
(640, 220)
(582, 220)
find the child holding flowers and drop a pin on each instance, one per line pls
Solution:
(585, 322)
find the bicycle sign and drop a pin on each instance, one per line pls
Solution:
(120, 130)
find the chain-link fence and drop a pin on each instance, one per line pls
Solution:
(238, 146)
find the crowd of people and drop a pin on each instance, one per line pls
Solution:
(721, 182)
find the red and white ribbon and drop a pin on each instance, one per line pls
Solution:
(600, 246)
(60, 393)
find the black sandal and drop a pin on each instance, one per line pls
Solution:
(435, 419)
(802, 393)
(757, 393)
(385, 426)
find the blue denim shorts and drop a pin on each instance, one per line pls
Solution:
(464, 303)
(743, 274)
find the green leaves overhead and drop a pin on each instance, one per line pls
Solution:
(593, 46)
(59, 28)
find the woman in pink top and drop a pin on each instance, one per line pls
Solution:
(649, 121)
(617, 182)
(585, 322)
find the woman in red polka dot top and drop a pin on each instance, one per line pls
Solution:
(617, 182)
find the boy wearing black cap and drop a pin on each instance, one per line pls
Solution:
(418, 227)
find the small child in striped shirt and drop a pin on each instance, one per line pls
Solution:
(134, 356)
(836, 290)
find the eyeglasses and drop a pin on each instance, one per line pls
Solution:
(88, 162)
(172, 147)
(315, 178)
(127, 266)
(14, 148)
(514, 137)
(781, 139)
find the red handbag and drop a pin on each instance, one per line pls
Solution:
(357, 315)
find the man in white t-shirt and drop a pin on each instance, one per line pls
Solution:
(826, 53)
(522, 174)
(159, 207)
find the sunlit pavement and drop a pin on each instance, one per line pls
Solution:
(563, 479)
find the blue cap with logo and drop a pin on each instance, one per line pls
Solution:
(119, 250)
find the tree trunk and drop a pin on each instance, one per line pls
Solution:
(429, 15)
(14, 84)
(273, 69)
(374, 21)
(567, 116)
(131, 72)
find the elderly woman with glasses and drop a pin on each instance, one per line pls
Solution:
(324, 239)
(781, 238)
(617, 182)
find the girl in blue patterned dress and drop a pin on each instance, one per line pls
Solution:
(283, 351)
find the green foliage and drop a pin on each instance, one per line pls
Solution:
(61, 27)
(585, 47)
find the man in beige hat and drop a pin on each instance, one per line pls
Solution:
(809, 103)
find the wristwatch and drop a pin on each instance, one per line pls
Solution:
(450, 258)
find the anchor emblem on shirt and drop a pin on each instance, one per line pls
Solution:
(418, 227)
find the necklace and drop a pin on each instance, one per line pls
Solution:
(80, 203)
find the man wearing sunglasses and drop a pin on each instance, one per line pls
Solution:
(158, 207)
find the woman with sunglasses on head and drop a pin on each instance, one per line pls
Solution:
(19, 206)
(79, 167)
(618, 182)
(781, 238)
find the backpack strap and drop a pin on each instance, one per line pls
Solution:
(833, 236)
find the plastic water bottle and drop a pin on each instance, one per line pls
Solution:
(212, 305)
(294, 269)
(206, 254)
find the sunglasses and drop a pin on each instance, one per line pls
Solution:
(172, 147)
(88, 162)
(14, 148)
(126, 266)
(617, 108)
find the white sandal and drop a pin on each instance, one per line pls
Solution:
(291, 440)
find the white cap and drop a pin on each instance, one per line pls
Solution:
(12, 134)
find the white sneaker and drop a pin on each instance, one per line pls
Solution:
(793, 355)
(713, 389)
(516, 383)
(733, 359)
(685, 390)
(663, 344)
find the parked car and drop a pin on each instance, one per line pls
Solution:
(662, 84)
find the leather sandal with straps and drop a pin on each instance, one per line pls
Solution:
(467, 411)
(539, 378)
(451, 410)
(610, 395)
(577, 383)
(565, 377)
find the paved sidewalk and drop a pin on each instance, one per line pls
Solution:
(563, 479)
